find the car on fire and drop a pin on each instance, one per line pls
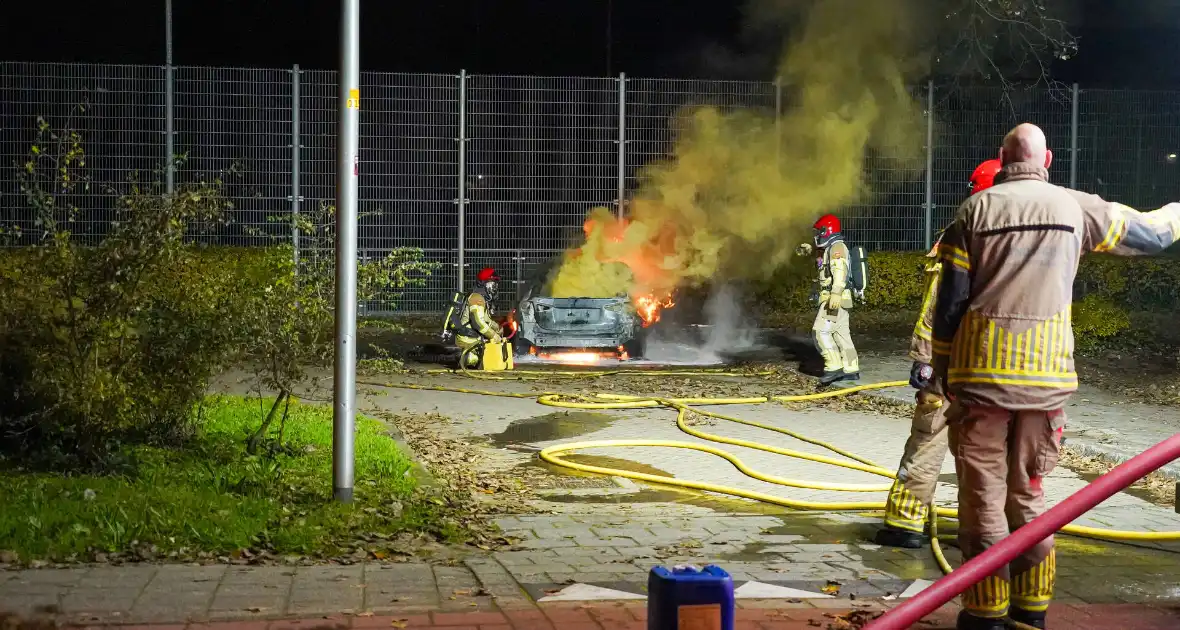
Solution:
(607, 327)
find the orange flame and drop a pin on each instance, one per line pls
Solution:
(648, 307)
(579, 357)
(650, 279)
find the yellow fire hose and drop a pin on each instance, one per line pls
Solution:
(683, 406)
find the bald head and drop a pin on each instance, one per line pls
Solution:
(1026, 144)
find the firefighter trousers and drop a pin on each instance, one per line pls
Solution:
(472, 349)
(834, 341)
(921, 464)
(1002, 458)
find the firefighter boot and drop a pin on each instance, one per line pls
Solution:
(831, 376)
(1027, 617)
(849, 376)
(893, 537)
(967, 621)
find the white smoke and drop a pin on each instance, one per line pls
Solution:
(727, 330)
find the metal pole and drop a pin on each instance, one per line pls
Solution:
(169, 102)
(295, 146)
(929, 205)
(347, 173)
(778, 122)
(462, 200)
(1073, 140)
(622, 175)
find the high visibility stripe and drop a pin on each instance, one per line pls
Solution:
(955, 256)
(903, 510)
(987, 598)
(1116, 231)
(940, 347)
(1033, 589)
(921, 330)
(1040, 356)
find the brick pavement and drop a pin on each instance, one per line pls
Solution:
(629, 616)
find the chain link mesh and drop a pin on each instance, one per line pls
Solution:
(540, 153)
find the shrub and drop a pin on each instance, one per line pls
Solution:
(1096, 320)
(117, 341)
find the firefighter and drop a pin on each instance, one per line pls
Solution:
(476, 324)
(917, 476)
(1003, 347)
(830, 330)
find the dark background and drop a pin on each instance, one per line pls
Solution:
(1122, 44)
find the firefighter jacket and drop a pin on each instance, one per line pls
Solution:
(477, 317)
(1002, 334)
(924, 327)
(834, 270)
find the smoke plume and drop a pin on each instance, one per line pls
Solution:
(739, 189)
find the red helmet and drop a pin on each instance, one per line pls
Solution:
(826, 228)
(984, 175)
(487, 274)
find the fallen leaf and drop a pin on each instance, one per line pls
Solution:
(367, 613)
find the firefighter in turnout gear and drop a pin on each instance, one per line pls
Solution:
(1003, 347)
(476, 325)
(830, 331)
(917, 476)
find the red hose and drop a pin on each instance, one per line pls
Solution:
(987, 563)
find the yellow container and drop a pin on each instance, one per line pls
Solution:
(497, 357)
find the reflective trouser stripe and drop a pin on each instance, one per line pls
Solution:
(1033, 589)
(988, 598)
(903, 510)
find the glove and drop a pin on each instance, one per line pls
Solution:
(804, 249)
(835, 301)
(920, 375)
(497, 339)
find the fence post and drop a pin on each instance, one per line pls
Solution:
(622, 175)
(929, 205)
(296, 144)
(778, 122)
(169, 103)
(1073, 140)
(461, 202)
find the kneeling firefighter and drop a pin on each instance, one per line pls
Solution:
(912, 493)
(471, 322)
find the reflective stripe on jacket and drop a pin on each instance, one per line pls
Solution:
(920, 350)
(1002, 330)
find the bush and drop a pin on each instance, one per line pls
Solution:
(113, 342)
(1096, 320)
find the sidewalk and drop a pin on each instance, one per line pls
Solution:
(483, 593)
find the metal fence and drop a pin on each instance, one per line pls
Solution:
(491, 170)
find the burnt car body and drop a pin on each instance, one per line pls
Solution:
(599, 324)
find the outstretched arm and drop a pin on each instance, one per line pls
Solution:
(1124, 231)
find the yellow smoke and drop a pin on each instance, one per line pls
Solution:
(740, 189)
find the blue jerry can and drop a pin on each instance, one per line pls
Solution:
(688, 598)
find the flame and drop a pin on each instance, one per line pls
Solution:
(648, 307)
(587, 357)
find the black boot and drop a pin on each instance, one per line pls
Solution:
(967, 621)
(830, 377)
(1027, 617)
(850, 376)
(892, 537)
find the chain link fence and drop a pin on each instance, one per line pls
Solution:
(489, 170)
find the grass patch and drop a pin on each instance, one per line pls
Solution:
(210, 498)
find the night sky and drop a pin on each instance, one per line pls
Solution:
(1123, 44)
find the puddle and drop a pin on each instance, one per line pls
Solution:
(554, 426)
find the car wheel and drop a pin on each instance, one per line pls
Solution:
(636, 347)
(521, 347)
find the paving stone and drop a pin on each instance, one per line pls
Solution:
(100, 600)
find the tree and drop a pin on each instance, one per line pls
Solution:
(1002, 42)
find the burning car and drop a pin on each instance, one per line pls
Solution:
(584, 330)
(596, 327)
